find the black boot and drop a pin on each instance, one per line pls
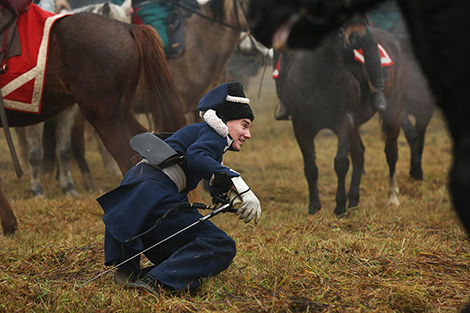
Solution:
(122, 276)
(281, 113)
(148, 283)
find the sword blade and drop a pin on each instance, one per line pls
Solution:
(11, 146)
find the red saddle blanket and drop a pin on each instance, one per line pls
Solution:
(23, 83)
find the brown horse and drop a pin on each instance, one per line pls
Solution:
(97, 62)
(321, 92)
(57, 145)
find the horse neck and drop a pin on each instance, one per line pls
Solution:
(326, 59)
(226, 32)
(329, 54)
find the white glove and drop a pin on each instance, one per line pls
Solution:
(250, 206)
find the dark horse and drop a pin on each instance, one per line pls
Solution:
(98, 62)
(439, 30)
(321, 92)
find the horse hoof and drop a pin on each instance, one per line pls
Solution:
(416, 173)
(312, 210)
(340, 211)
(72, 193)
(9, 228)
(38, 192)
(393, 200)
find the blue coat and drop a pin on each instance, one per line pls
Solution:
(146, 193)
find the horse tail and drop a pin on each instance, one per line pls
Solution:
(159, 89)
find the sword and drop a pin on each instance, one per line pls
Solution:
(11, 146)
(223, 208)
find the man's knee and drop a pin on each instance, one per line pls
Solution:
(224, 248)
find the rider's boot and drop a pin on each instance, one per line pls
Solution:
(281, 113)
(376, 99)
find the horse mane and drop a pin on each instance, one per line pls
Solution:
(217, 9)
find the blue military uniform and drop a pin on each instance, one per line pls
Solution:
(146, 193)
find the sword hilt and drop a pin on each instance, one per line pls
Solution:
(225, 209)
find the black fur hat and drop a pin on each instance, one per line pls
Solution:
(228, 101)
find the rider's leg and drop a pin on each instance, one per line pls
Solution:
(282, 113)
(373, 66)
(155, 14)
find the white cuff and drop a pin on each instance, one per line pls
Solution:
(240, 184)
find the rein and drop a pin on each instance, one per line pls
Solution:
(194, 11)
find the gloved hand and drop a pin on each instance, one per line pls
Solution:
(250, 207)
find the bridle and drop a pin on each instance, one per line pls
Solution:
(236, 4)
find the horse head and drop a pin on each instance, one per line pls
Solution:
(353, 33)
(126, 6)
(231, 13)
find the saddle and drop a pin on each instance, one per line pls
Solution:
(23, 81)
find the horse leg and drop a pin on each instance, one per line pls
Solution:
(421, 132)
(391, 131)
(108, 161)
(357, 158)
(78, 151)
(116, 132)
(413, 139)
(342, 164)
(21, 135)
(36, 154)
(7, 217)
(123, 155)
(63, 124)
(305, 139)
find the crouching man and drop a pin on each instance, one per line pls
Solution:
(148, 191)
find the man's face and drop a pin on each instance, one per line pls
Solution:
(239, 130)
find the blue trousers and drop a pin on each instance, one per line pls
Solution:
(203, 250)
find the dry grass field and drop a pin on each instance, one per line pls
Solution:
(411, 258)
